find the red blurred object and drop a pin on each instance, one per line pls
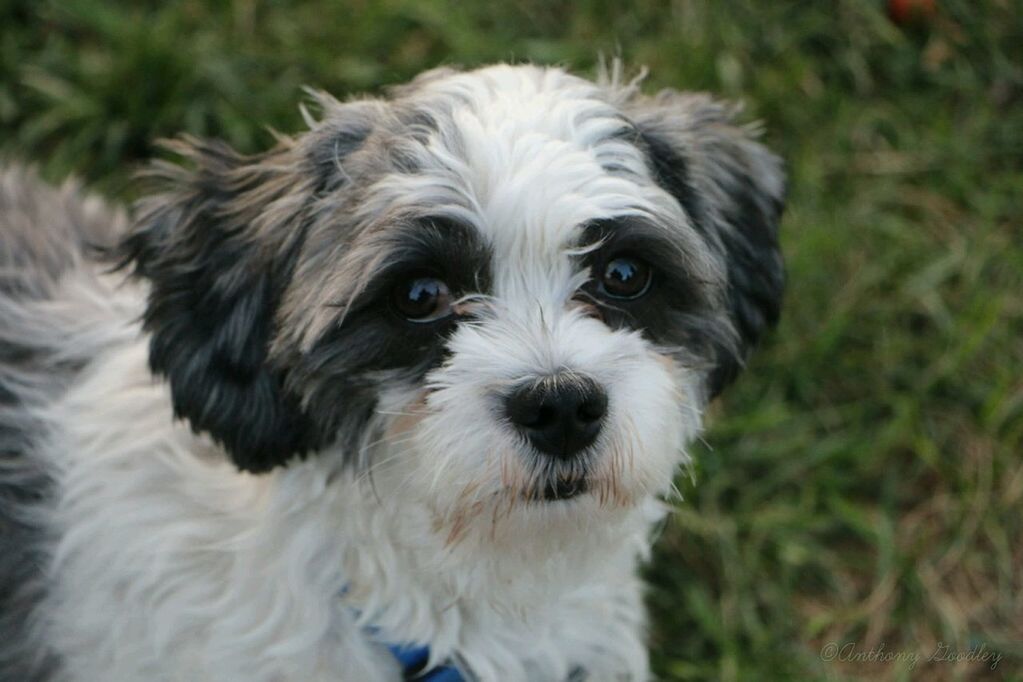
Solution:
(904, 12)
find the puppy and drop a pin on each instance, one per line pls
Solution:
(399, 397)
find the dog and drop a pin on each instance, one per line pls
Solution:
(402, 397)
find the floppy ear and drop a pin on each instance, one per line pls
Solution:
(733, 190)
(217, 247)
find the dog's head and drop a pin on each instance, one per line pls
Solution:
(504, 286)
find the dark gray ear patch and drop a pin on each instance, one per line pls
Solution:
(329, 145)
(672, 173)
(732, 188)
(212, 301)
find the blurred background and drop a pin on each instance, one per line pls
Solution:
(862, 484)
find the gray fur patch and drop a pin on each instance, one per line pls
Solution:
(44, 233)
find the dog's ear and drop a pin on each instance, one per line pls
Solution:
(217, 245)
(732, 189)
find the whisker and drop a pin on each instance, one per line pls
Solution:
(399, 413)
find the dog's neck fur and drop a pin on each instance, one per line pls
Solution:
(291, 567)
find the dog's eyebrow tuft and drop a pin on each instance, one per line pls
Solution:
(640, 236)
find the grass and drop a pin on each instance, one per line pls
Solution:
(862, 483)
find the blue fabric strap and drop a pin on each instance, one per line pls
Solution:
(413, 660)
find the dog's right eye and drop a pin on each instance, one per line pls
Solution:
(422, 299)
(626, 278)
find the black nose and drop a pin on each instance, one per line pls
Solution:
(560, 415)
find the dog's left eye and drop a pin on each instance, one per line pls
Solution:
(422, 299)
(626, 277)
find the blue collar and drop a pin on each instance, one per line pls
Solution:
(413, 660)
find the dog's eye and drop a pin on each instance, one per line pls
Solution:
(625, 277)
(422, 299)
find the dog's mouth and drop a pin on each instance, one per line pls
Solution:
(559, 490)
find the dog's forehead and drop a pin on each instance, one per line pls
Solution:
(534, 153)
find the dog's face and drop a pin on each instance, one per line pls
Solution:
(507, 288)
